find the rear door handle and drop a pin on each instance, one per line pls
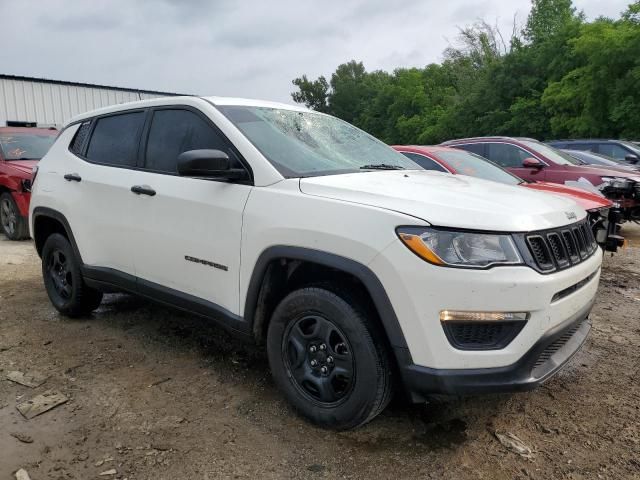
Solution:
(73, 177)
(143, 190)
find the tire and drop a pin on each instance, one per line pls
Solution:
(13, 225)
(335, 331)
(63, 280)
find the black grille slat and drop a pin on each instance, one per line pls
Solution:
(582, 244)
(570, 244)
(540, 252)
(590, 239)
(557, 249)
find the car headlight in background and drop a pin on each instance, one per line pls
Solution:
(460, 249)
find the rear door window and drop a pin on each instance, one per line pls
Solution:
(174, 131)
(477, 148)
(506, 155)
(115, 139)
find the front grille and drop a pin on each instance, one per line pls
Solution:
(481, 336)
(562, 247)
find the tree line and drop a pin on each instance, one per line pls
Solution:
(559, 76)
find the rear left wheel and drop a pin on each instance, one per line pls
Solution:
(13, 225)
(63, 280)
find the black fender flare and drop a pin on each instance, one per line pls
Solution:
(363, 273)
(56, 215)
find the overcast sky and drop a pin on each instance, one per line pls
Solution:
(237, 48)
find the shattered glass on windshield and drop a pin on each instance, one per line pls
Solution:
(302, 144)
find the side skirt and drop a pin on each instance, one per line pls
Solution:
(110, 280)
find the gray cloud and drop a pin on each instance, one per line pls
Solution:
(226, 47)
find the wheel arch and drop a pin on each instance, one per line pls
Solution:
(46, 221)
(268, 273)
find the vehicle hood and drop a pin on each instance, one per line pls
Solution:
(447, 200)
(22, 166)
(621, 171)
(590, 170)
(587, 200)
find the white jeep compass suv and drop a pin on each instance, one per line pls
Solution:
(358, 270)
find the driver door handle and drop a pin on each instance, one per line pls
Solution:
(143, 190)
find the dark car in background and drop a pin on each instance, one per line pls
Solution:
(459, 162)
(535, 161)
(588, 157)
(618, 149)
(20, 150)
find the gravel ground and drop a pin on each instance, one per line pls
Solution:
(155, 394)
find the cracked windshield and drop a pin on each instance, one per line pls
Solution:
(302, 144)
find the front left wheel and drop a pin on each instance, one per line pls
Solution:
(13, 225)
(329, 357)
(63, 280)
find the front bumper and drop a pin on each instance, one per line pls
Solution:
(419, 291)
(547, 356)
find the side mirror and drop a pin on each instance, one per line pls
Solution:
(631, 158)
(208, 164)
(532, 163)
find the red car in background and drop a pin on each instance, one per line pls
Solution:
(532, 160)
(451, 160)
(20, 150)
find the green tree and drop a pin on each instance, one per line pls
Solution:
(558, 76)
(312, 93)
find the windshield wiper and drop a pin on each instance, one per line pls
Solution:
(381, 166)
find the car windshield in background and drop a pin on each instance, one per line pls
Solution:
(466, 163)
(23, 146)
(302, 144)
(551, 153)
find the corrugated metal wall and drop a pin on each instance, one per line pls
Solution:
(50, 103)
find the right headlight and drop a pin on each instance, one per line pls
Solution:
(460, 249)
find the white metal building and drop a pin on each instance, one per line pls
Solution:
(25, 101)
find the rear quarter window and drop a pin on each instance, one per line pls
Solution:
(79, 141)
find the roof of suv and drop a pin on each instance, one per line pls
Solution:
(175, 100)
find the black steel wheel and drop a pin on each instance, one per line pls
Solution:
(329, 357)
(58, 271)
(319, 358)
(63, 280)
(13, 225)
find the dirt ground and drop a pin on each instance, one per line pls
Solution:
(156, 394)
